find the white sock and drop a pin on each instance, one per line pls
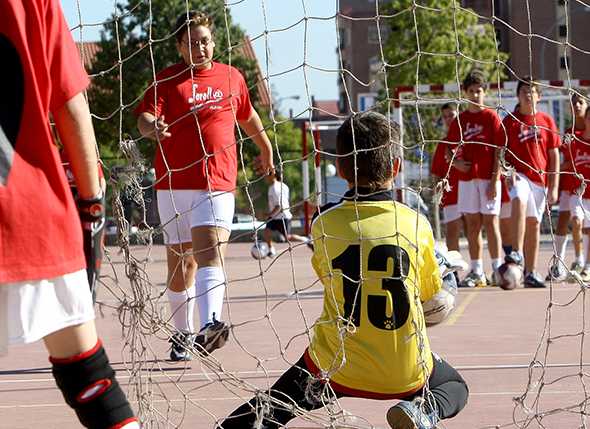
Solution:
(560, 245)
(496, 263)
(210, 293)
(182, 309)
(585, 242)
(477, 266)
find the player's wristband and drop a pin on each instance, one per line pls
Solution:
(91, 209)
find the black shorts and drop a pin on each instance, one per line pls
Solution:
(282, 226)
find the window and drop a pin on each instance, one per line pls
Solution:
(563, 61)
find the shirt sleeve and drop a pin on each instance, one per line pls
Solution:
(498, 132)
(244, 104)
(454, 135)
(153, 100)
(439, 165)
(553, 139)
(67, 74)
(429, 281)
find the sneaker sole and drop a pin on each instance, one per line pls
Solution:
(398, 419)
(216, 339)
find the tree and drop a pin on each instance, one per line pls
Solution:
(136, 43)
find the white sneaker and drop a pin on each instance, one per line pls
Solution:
(271, 252)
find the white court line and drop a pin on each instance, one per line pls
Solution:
(233, 398)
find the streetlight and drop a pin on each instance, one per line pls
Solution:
(290, 97)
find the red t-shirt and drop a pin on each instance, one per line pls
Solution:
(440, 167)
(40, 232)
(568, 182)
(528, 149)
(580, 150)
(219, 96)
(481, 127)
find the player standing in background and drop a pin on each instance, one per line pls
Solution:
(580, 207)
(192, 111)
(478, 130)
(363, 245)
(568, 184)
(279, 212)
(452, 218)
(44, 291)
(533, 149)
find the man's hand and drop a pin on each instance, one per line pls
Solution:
(492, 191)
(161, 129)
(263, 164)
(552, 195)
(461, 165)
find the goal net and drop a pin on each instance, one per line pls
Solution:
(526, 360)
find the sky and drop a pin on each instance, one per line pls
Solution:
(282, 50)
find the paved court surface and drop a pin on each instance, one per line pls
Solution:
(492, 338)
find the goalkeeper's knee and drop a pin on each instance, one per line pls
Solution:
(87, 382)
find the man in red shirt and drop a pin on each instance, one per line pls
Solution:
(579, 149)
(192, 111)
(533, 150)
(477, 131)
(44, 291)
(452, 218)
(568, 200)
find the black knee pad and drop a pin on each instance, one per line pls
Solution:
(88, 385)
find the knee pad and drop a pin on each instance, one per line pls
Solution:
(88, 384)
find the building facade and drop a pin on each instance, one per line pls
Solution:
(553, 45)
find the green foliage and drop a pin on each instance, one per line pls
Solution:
(451, 42)
(127, 62)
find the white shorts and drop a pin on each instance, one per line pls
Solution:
(506, 210)
(473, 198)
(580, 208)
(183, 209)
(451, 213)
(565, 201)
(32, 310)
(531, 193)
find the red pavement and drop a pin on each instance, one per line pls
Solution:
(492, 338)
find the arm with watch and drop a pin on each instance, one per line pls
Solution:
(74, 127)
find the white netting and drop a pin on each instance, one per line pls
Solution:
(384, 52)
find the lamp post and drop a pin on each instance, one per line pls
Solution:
(291, 97)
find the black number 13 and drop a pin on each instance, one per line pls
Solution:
(350, 264)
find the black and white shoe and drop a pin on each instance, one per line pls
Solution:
(212, 337)
(181, 341)
(533, 280)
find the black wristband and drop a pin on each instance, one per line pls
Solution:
(91, 209)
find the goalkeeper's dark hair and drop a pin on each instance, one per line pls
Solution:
(192, 18)
(366, 145)
(475, 77)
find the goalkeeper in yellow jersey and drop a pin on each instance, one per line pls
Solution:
(376, 260)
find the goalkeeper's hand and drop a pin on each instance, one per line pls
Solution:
(92, 215)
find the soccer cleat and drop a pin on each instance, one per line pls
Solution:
(212, 337)
(533, 280)
(180, 341)
(574, 275)
(585, 274)
(557, 272)
(271, 252)
(473, 280)
(514, 257)
(411, 415)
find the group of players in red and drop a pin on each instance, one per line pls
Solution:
(501, 175)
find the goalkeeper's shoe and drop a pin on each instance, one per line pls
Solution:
(474, 280)
(181, 342)
(557, 272)
(213, 336)
(411, 415)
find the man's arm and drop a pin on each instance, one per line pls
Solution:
(495, 177)
(151, 127)
(75, 130)
(255, 130)
(553, 179)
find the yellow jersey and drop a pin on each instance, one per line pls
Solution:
(375, 258)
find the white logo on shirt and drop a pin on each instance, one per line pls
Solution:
(527, 133)
(581, 157)
(208, 95)
(471, 130)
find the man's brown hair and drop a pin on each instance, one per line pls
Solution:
(366, 144)
(188, 19)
